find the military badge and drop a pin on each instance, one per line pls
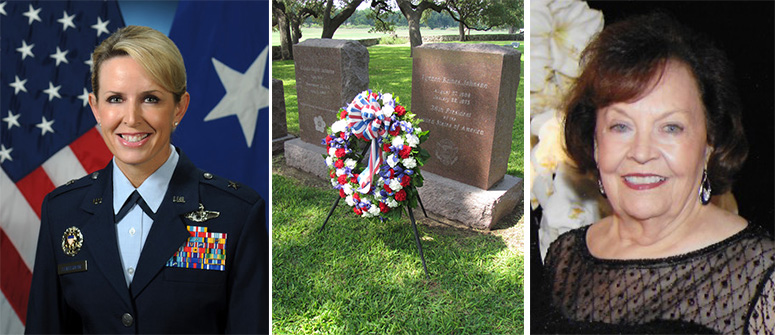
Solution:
(72, 241)
(202, 215)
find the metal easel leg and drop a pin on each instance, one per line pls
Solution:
(421, 205)
(336, 203)
(417, 240)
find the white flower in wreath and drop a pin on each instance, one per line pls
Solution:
(332, 152)
(397, 141)
(340, 172)
(338, 126)
(329, 161)
(374, 210)
(392, 203)
(348, 189)
(412, 140)
(350, 163)
(395, 185)
(409, 163)
(349, 200)
(334, 182)
(392, 160)
(320, 125)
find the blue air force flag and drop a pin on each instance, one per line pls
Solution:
(225, 48)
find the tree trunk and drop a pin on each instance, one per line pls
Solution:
(512, 30)
(330, 24)
(415, 38)
(286, 47)
(296, 30)
(462, 30)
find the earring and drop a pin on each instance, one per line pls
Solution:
(705, 188)
(175, 125)
(600, 187)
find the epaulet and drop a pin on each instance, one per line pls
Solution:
(234, 188)
(75, 184)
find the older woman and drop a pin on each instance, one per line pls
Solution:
(149, 244)
(654, 117)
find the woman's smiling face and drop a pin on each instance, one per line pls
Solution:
(651, 152)
(136, 114)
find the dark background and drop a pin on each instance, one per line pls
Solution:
(745, 31)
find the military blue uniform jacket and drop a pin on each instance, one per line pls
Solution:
(161, 298)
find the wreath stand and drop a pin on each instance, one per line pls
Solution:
(408, 209)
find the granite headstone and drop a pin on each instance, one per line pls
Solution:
(466, 96)
(329, 74)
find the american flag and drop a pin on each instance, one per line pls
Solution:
(47, 134)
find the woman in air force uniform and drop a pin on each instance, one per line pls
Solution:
(150, 243)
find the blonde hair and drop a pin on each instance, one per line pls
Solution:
(154, 51)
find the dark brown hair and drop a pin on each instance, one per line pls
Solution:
(625, 61)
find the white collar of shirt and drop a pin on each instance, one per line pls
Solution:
(152, 189)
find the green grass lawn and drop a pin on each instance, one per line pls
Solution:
(365, 276)
(390, 71)
(361, 276)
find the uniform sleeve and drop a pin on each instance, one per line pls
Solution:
(249, 280)
(761, 319)
(47, 312)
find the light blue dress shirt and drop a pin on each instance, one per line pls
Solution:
(133, 229)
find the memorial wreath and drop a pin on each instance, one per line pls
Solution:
(391, 174)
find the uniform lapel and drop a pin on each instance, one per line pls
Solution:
(99, 231)
(168, 232)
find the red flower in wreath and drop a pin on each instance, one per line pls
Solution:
(344, 114)
(400, 110)
(387, 189)
(356, 196)
(340, 153)
(386, 147)
(342, 180)
(401, 195)
(357, 210)
(395, 132)
(333, 174)
(339, 164)
(354, 179)
(405, 152)
(383, 208)
(342, 194)
(405, 181)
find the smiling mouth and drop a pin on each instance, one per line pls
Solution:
(134, 138)
(643, 182)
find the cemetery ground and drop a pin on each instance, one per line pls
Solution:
(360, 275)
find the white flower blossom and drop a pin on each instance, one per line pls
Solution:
(398, 140)
(392, 203)
(395, 185)
(409, 163)
(348, 189)
(332, 152)
(374, 210)
(340, 172)
(412, 140)
(334, 182)
(350, 163)
(392, 160)
(349, 200)
(339, 126)
(329, 161)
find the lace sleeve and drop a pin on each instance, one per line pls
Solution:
(761, 319)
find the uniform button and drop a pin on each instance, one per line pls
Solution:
(132, 231)
(130, 270)
(208, 175)
(127, 319)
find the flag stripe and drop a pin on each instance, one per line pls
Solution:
(15, 277)
(34, 187)
(91, 150)
(63, 166)
(10, 324)
(18, 220)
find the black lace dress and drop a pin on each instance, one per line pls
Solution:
(726, 288)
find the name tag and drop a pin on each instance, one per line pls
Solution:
(73, 267)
